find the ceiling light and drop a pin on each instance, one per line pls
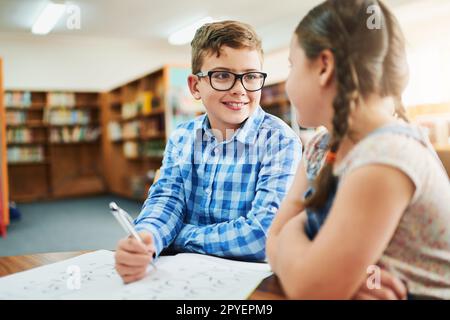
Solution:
(48, 18)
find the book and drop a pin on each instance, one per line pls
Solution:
(146, 100)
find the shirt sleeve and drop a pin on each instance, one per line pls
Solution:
(245, 237)
(163, 210)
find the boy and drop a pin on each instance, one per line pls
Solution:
(225, 173)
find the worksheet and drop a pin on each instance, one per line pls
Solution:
(92, 276)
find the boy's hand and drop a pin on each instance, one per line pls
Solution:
(391, 289)
(132, 257)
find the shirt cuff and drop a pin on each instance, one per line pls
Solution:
(180, 242)
(156, 236)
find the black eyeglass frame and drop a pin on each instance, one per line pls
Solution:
(236, 77)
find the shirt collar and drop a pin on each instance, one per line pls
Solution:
(245, 134)
(249, 131)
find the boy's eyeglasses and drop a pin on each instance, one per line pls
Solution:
(225, 80)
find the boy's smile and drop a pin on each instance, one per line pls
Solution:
(235, 105)
(227, 110)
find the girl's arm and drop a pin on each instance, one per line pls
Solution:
(291, 206)
(366, 211)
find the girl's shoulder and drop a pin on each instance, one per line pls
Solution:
(399, 141)
(403, 146)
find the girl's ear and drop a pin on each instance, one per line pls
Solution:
(193, 83)
(326, 67)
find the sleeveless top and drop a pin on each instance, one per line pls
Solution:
(419, 251)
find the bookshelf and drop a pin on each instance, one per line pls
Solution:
(138, 118)
(274, 100)
(53, 141)
(4, 193)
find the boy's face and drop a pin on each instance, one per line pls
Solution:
(227, 109)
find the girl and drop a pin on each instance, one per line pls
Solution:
(371, 189)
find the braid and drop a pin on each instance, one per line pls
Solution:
(347, 94)
(367, 61)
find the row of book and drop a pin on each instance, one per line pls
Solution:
(64, 116)
(154, 148)
(131, 149)
(15, 117)
(115, 131)
(151, 127)
(20, 135)
(23, 99)
(131, 130)
(25, 154)
(76, 134)
(17, 99)
(130, 109)
(61, 99)
(55, 117)
(57, 135)
(134, 129)
(144, 104)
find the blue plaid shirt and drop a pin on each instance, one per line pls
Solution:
(219, 198)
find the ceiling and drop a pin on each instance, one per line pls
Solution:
(121, 40)
(153, 21)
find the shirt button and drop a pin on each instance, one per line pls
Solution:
(208, 191)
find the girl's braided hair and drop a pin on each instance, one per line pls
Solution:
(367, 60)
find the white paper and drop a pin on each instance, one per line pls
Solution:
(93, 276)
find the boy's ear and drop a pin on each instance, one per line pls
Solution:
(326, 67)
(193, 83)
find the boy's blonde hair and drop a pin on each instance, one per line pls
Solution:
(210, 38)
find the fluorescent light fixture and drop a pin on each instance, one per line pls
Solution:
(48, 18)
(186, 34)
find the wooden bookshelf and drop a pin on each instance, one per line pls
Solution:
(66, 128)
(4, 188)
(129, 120)
(73, 167)
(275, 101)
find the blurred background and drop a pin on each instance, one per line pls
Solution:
(90, 90)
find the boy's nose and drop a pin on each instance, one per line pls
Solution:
(238, 88)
